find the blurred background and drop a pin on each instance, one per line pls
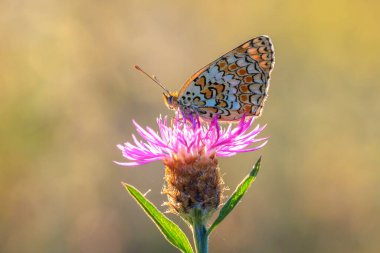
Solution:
(68, 94)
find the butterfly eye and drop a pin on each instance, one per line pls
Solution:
(169, 101)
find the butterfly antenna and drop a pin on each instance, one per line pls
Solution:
(153, 78)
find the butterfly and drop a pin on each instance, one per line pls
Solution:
(234, 85)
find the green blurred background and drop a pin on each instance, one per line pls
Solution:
(68, 93)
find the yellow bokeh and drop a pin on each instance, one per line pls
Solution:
(68, 94)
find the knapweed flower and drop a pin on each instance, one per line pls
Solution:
(189, 151)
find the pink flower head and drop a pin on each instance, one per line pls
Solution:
(181, 139)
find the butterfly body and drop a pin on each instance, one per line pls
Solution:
(233, 85)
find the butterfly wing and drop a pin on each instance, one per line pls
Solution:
(235, 84)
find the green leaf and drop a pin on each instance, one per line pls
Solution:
(241, 189)
(169, 229)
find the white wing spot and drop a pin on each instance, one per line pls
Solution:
(228, 78)
(251, 69)
(231, 59)
(242, 63)
(258, 79)
(234, 82)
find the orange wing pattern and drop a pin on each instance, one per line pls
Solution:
(234, 85)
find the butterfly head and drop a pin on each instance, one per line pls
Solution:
(171, 100)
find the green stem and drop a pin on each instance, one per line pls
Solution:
(200, 235)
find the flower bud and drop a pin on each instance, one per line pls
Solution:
(193, 183)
